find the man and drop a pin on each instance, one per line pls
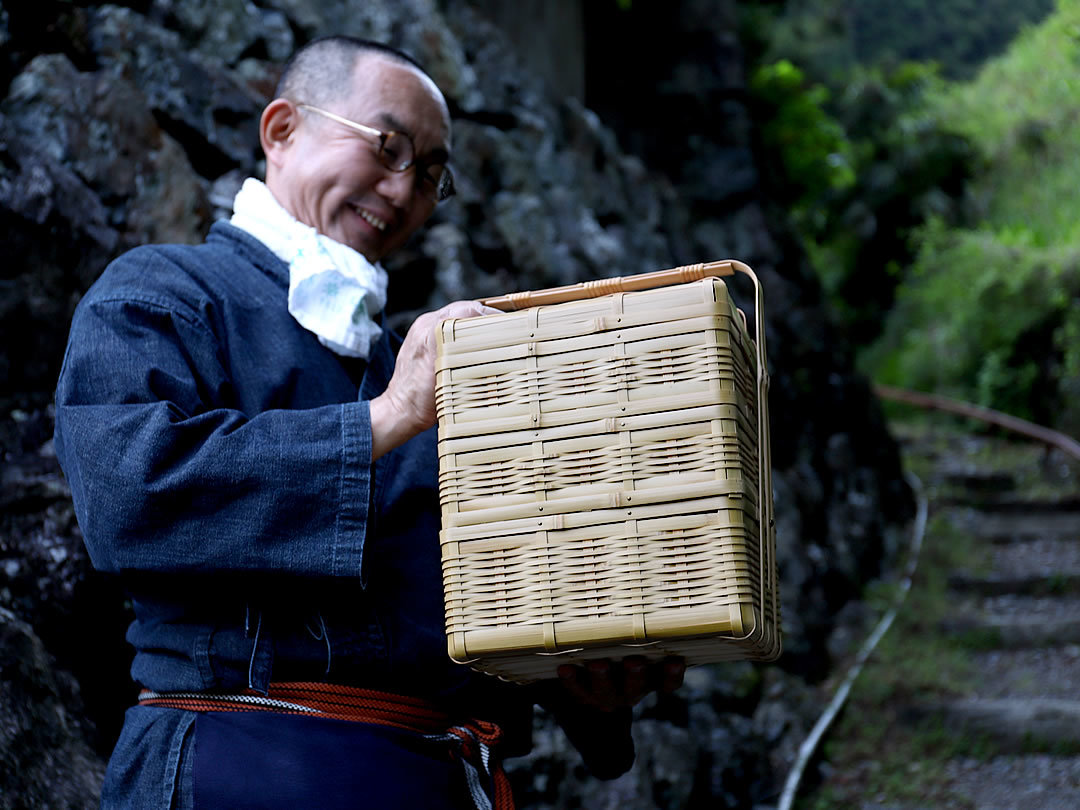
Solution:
(253, 453)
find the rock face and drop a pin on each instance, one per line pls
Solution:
(122, 125)
(45, 760)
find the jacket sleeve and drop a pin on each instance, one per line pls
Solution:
(164, 479)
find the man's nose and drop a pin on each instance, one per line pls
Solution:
(397, 188)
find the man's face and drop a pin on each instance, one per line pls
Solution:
(329, 176)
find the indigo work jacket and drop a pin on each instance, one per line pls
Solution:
(219, 459)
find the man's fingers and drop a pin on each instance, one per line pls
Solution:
(573, 681)
(464, 309)
(602, 685)
(591, 685)
(672, 671)
(635, 679)
(608, 686)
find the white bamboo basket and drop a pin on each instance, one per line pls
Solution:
(604, 476)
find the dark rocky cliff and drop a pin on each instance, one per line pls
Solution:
(130, 123)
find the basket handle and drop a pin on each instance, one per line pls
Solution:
(766, 516)
(607, 286)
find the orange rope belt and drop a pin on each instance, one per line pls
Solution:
(472, 742)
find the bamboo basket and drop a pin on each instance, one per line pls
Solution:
(604, 476)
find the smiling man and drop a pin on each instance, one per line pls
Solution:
(254, 454)
(319, 163)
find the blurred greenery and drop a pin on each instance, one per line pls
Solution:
(996, 304)
(959, 35)
(861, 163)
(812, 147)
(941, 214)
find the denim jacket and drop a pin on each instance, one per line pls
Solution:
(219, 459)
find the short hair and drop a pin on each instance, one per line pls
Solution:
(314, 73)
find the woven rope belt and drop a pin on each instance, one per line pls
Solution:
(471, 743)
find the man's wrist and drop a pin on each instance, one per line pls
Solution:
(390, 427)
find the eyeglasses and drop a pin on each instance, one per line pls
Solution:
(397, 152)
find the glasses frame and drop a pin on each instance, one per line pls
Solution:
(445, 188)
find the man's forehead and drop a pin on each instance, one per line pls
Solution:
(399, 95)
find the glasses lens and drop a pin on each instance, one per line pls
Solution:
(396, 152)
(434, 182)
(445, 188)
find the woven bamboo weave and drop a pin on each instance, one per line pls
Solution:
(604, 477)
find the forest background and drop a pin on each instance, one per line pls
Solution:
(929, 154)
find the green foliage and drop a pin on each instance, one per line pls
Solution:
(1022, 112)
(859, 168)
(809, 147)
(992, 311)
(813, 33)
(983, 318)
(958, 34)
(908, 167)
(942, 216)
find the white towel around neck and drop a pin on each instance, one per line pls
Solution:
(333, 290)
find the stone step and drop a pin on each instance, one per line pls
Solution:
(1029, 782)
(1032, 567)
(1004, 583)
(1018, 701)
(1016, 614)
(1015, 724)
(978, 481)
(1012, 621)
(1005, 782)
(1031, 673)
(1018, 526)
(1009, 502)
(1064, 505)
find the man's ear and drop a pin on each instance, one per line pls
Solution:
(276, 127)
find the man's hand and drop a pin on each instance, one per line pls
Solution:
(607, 686)
(407, 406)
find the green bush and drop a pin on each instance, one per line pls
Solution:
(809, 150)
(958, 34)
(908, 167)
(860, 170)
(991, 312)
(829, 37)
(942, 216)
(986, 316)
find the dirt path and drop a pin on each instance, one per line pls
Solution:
(974, 698)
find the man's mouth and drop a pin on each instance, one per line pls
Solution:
(372, 220)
